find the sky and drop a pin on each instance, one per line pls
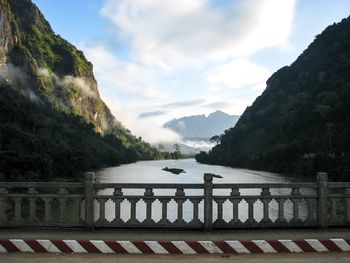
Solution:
(156, 60)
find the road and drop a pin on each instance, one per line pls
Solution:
(98, 258)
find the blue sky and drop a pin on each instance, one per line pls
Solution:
(155, 60)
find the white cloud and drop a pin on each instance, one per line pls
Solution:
(204, 43)
(127, 78)
(236, 74)
(130, 119)
(172, 34)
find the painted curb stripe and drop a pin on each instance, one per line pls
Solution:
(224, 247)
(184, 247)
(129, 247)
(62, 246)
(291, 246)
(116, 247)
(341, 243)
(264, 246)
(210, 247)
(9, 246)
(36, 246)
(174, 247)
(49, 246)
(197, 247)
(2, 249)
(75, 246)
(170, 247)
(156, 247)
(21, 245)
(88, 246)
(279, 247)
(304, 246)
(330, 245)
(252, 247)
(142, 246)
(101, 246)
(238, 247)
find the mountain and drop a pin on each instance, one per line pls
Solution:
(301, 122)
(52, 119)
(202, 127)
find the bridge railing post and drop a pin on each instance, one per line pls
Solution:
(322, 209)
(208, 202)
(89, 199)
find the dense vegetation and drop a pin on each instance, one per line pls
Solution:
(38, 142)
(301, 122)
(53, 122)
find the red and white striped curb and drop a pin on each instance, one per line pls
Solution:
(174, 247)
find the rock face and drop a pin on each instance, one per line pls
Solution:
(301, 122)
(52, 119)
(202, 127)
(43, 64)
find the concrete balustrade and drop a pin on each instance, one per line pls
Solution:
(212, 206)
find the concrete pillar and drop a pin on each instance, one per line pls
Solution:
(89, 199)
(322, 209)
(208, 202)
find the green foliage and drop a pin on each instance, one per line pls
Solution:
(301, 122)
(37, 142)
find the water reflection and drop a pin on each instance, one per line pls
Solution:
(151, 172)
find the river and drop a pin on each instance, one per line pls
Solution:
(151, 172)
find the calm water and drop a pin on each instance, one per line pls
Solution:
(151, 172)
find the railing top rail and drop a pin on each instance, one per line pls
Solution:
(265, 185)
(100, 186)
(133, 196)
(261, 197)
(41, 185)
(339, 184)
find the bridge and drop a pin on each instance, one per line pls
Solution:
(150, 218)
(207, 205)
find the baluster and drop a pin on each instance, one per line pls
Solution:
(164, 219)
(265, 194)
(251, 219)
(149, 200)
(235, 202)
(62, 199)
(118, 199)
(180, 200)
(347, 205)
(281, 218)
(48, 210)
(310, 211)
(117, 216)
(32, 204)
(220, 203)
(333, 208)
(18, 217)
(77, 211)
(102, 203)
(133, 202)
(3, 199)
(295, 200)
(195, 202)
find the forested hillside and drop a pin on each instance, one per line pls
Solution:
(301, 122)
(53, 122)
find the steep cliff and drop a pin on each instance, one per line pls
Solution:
(301, 122)
(43, 71)
(50, 65)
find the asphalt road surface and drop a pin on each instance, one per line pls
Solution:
(98, 258)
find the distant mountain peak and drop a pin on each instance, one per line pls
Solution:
(201, 126)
